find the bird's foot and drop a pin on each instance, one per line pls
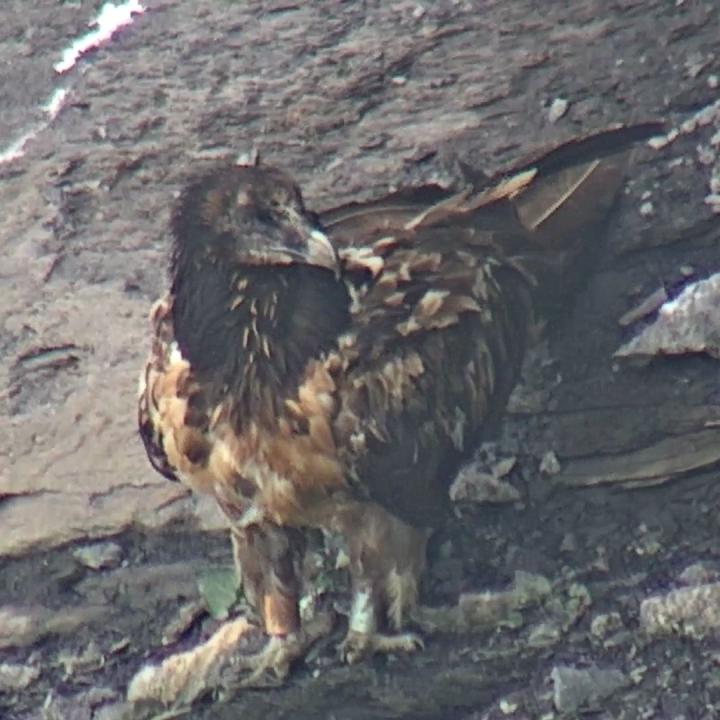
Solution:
(358, 646)
(271, 665)
(268, 667)
(227, 662)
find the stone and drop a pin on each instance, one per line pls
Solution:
(99, 555)
(578, 688)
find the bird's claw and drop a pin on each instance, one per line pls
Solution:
(358, 646)
(268, 667)
(271, 665)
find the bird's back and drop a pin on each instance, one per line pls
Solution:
(445, 294)
(439, 321)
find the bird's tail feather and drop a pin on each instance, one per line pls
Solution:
(570, 187)
(561, 196)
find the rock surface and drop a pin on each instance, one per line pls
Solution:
(354, 99)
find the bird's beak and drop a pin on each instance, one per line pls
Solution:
(297, 240)
(313, 246)
(320, 251)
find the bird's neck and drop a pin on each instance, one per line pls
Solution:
(251, 330)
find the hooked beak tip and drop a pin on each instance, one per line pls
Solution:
(321, 252)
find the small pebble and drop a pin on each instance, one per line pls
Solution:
(99, 556)
(507, 707)
(550, 465)
(569, 543)
(543, 635)
(706, 155)
(558, 108)
(605, 623)
(647, 209)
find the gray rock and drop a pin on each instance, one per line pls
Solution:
(14, 676)
(605, 623)
(690, 611)
(700, 573)
(576, 688)
(99, 555)
(83, 706)
(689, 323)
(21, 627)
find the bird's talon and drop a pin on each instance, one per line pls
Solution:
(267, 668)
(270, 666)
(359, 646)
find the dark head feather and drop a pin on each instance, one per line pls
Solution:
(255, 283)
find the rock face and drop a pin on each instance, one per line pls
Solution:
(354, 99)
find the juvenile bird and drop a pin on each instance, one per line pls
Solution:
(332, 371)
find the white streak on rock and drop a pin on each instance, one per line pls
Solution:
(111, 18)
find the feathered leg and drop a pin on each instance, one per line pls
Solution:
(387, 557)
(268, 561)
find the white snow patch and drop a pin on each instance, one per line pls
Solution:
(16, 149)
(111, 18)
(55, 104)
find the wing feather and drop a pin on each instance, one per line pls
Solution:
(443, 303)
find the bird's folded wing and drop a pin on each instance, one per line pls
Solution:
(442, 287)
(435, 299)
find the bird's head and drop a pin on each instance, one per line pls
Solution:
(256, 284)
(250, 215)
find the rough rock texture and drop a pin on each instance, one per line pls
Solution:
(354, 99)
(687, 324)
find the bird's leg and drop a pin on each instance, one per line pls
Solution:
(271, 665)
(387, 557)
(268, 559)
(240, 654)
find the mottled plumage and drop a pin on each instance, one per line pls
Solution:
(337, 383)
